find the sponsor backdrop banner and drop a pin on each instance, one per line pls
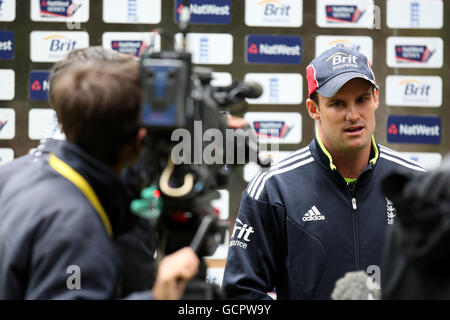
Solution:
(267, 41)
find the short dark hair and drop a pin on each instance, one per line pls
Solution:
(80, 55)
(98, 105)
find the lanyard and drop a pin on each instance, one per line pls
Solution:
(70, 174)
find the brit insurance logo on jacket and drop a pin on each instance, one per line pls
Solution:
(52, 46)
(206, 11)
(6, 45)
(274, 49)
(414, 52)
(241, 235)
(414, 129)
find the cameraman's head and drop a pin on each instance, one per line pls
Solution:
(81, 55)
(98, 105)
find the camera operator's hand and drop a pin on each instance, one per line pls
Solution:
(237, 123)
(174, 271)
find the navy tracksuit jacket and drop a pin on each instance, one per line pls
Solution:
(301, 227)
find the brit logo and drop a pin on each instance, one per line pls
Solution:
(134, 48)
(340, 13)
(207, 11)
(390, 211)
(414, 129)
(6, 45)
(241, 234)
(48, 46)
(39, 85)
(411, 53)
(59, 8)
(414, 91)
(275, 13)
(274, 49)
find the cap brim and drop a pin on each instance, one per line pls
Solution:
(332, 86)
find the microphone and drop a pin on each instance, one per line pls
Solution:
(356, 285)
(237, 92)
(249, 89)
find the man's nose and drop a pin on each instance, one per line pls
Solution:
(352, 113)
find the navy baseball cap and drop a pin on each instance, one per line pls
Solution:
(327, 73)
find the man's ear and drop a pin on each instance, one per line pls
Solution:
(313, 109)
(376, 98)
(141, 135)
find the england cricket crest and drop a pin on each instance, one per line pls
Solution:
(390, 212)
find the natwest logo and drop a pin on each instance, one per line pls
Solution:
(414, 129)
(207, 11)
(39, 85)
(393, 130)
(6, 45)
(274, 49)
(253, 49)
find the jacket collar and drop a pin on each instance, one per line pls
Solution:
(108, 187)
(326, 160)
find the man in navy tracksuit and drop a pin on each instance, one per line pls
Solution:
(320, 212)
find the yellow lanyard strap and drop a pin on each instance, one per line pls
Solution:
(70, 174)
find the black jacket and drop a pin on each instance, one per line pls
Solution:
(47, 225)
(301, 227)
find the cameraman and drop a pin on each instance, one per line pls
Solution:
(74, 203)
(416, 257)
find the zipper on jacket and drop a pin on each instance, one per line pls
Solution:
(355, 233)
(351, 188)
